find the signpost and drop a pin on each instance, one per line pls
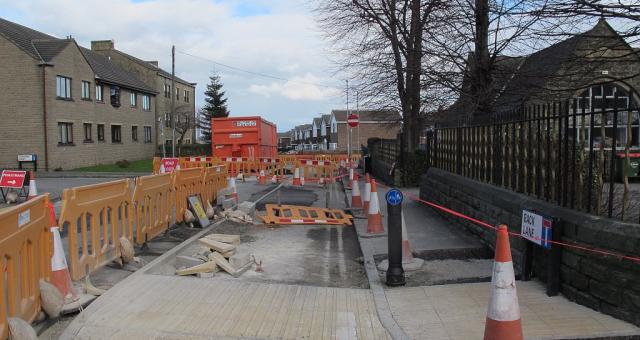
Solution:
(168, 165)
(542, 230)
(395, 272)
(28, 158)
(13, 179)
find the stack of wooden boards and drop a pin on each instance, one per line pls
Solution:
(219, 250)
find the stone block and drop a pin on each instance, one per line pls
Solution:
(183, 261)
(239, 260)
(571, 259)
(605, 292)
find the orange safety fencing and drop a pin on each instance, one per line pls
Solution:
(198, 162)
(153, 201)
(186, 182)
(96, 216)
(314, 170)
(214, 179)
(25, 258)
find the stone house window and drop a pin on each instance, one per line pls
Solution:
(100, 132)
(133, 99)
(99, 93)
(177, 93)
(167, 91)
(116, 134)
(186, 96)
(147, 134)
(134, 133)
(63, 87)
(88, 138)
(65, 133)
(146, 103)
(86, 93)
(115, 96)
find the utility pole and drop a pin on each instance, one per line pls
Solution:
(348, 126)
(173, 100)
(358, 129)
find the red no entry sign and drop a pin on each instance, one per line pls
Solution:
(12, 178)
(352, 120)
(168, 165)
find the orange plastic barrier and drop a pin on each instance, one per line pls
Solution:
(25, 258)
(153, 201)
(214, 179)
(314, 170)
(198, 162)
(294, 214)
(96, 216)
(236, 165)
(186, 182)
(156, 165)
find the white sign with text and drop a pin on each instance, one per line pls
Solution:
(536, 228)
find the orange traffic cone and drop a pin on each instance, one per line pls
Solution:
(503, 316)
(366, 196)
(60, 277)
(262, 179)
(374, 223)
(296, 178)
(33, 189)
(356, 200)
(302, 178)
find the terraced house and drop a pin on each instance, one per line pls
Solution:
(68, 105)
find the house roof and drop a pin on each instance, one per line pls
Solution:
(23, 36)
(284, 134)
(44, 47)
(317, 122)
(326, 119)
(153, 67)
(368, 115)
(109, 72)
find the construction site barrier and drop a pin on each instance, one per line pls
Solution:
(244, 165)
(314, 170)
(186, 182)
(96, 216)
(292, 214)
(156, 164)
(25, 258)
(214, 179)
(198, 162)
(153, 201)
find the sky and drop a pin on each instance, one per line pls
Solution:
(278, 38)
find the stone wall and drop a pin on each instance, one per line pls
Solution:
(606, 284)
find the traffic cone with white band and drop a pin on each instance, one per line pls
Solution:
(262, 179)
(296, 177)
(33, 189)
(234, 192)
(366, 196)
(503, 317)
(374, 222)
(60, 277)
(274, 179)
(356, 200)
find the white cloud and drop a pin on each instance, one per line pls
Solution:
(297, 88)
(282, 39)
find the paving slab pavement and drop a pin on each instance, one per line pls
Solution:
(458, 311)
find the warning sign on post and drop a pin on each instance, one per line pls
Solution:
(536, 228)
(12, 178)
(168, 165)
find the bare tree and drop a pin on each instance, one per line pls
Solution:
(185, 122)
(379, 44)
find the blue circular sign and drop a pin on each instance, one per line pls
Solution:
(394, 197)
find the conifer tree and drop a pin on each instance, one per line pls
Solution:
(215, 106)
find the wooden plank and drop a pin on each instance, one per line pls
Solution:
(206, 267)
(225, 238)
(217, 246)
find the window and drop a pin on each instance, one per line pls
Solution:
(134, 99)
(134, 133)
(116, 134)
(99, 93)
(167, 120)
(63, 87)
(86, 94)
(87, 132)
(146, 103)
(167, 90)
(100, 132)
(177, 93)
(147, 134)
(186, 96)
(187, 141)
(65, 133)
(115, 96)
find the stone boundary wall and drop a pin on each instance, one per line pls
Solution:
(606, 284)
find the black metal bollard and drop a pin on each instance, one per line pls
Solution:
(395, 273)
